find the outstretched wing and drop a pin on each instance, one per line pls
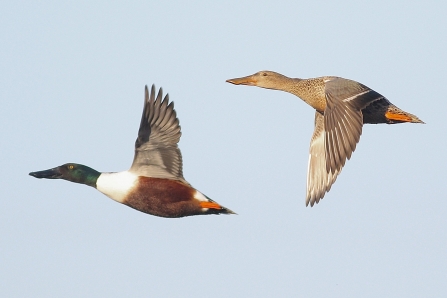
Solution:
(319, 181)
(156, 151)
(343, 119)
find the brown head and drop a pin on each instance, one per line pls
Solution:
(264, 79)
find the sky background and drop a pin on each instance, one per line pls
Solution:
(72, 79)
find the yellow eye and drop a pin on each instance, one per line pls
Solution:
(70, 167)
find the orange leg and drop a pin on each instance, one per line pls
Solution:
(397, 117)
(210, 205)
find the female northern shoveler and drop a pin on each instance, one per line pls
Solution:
(154, 183)
(342, 106)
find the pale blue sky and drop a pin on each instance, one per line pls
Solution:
(72, 79)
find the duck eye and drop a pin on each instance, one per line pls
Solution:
(264, 74)
(71, 167)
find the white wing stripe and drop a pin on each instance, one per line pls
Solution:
(355, 96)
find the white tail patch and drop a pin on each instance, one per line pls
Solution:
(200, 196)
(116, 185)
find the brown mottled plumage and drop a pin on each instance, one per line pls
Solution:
(342, 107)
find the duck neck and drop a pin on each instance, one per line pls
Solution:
(85, 175)
(298, 88)
(311, 91)
(91, 179)
(290, 85)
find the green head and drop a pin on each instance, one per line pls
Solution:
(72, 172)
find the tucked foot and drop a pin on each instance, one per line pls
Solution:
(398, 116)
(214, 208)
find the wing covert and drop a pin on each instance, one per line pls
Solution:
(343, 119)
(156, 150)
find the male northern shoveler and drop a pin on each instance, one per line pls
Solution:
(342, 106)
(154, 184)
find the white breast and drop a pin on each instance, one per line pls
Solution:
(116, 185)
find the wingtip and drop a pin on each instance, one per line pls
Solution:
(146, 92)
(312, 201)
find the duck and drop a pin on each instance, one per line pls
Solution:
(341, 106)
(154, 184)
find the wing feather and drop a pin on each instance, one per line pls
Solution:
(156, 150)
(343, 119)
(319, 181)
